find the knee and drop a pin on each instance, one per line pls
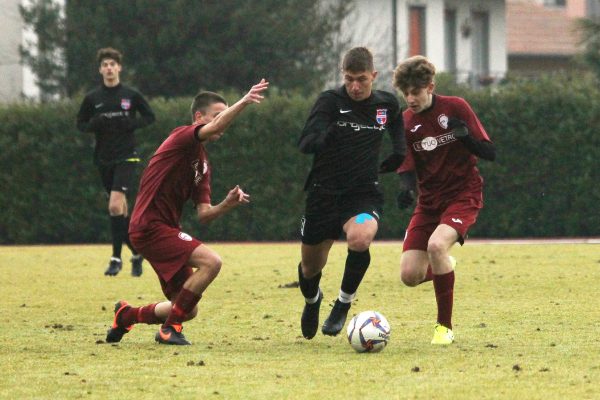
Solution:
(359, 241)
(436, 248)
(214, 265)
(411, 277)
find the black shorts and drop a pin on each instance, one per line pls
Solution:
(118, 177)
(327, 213)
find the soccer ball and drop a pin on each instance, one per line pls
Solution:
(368, 331)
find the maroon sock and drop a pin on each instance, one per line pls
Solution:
(184, 304)
(444, 295)
(428, 274)
(145, 315)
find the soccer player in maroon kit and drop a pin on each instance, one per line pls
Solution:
(444, 139)
(178, 171)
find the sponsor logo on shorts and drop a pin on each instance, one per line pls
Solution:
(457, 220)
(375, 214)
(184, 236)
(302, 224)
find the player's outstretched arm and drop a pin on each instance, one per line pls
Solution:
(218, 125)
(235, 198)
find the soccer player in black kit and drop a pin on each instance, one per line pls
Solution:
(344, 131)
(111, 113)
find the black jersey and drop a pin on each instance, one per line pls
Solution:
(345, 137)
(111, 113)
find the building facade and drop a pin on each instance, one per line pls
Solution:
(16, 81)
(542, 35)
(464, 38)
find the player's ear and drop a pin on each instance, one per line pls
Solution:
(198, 116)
(430, 87)
(374, 74)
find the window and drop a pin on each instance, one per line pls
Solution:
(481, 45)
(450, 38)
(555, 3)
(593, 8)
(416, 33)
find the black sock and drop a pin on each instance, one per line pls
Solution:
(116, 228)
(308, 287)
(126, 236)
(357, 263)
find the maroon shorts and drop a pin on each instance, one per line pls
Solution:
(168, 250)
(460, 214)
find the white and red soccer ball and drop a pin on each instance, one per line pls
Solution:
(368, 331)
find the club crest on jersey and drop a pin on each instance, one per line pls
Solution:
(443, 121)
(197, 174)
(125, 104)
(381, 116)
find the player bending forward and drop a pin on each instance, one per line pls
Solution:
(444, 138)
(178, 171)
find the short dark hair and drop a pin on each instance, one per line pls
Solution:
(203, 100)
(109, 52)
(358, 59)
(414, 72)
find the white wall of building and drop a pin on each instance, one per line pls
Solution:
(16, 81)
(370, 25)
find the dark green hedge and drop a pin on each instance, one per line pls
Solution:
(545, 181)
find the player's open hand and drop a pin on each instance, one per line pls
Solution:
(255, 93)
(236, 197)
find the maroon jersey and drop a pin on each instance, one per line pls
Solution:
(177, 171)
(444, 166)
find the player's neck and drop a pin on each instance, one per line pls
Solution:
(111, 82)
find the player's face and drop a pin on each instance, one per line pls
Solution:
(211, 113)
(419, 99)
(110, 70)
(359, 84)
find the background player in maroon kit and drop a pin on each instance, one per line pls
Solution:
(179, 171)
(444, 140)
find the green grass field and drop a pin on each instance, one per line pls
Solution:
(527, 325)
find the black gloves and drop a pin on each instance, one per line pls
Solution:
(405, 198)
(459, 128)
(391, 164)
